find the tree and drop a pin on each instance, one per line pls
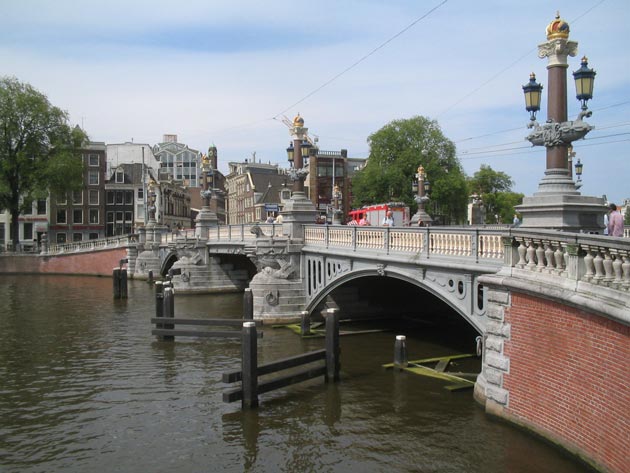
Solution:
(495, 190)
(396, 151)
(39, 151)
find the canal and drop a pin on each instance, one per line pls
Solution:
(85, 387)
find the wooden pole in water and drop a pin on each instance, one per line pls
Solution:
(332, 345)
(249, 365)
(123, 284)
(248, 304)
(169, 310)
(305, 323)
(116, 286)
(400, 352)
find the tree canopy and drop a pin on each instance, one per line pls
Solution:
(39, 150)
(396, 151)
(495, 190)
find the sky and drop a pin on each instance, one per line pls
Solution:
(226, 72)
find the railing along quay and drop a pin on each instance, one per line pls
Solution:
(89, 245)
(482, 243)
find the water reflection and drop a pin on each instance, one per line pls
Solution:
(84, 386)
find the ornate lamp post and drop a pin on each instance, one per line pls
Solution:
(421, 187)
(206, 217)
(337, 195)
(152, 199)
(299, 209)
(558, 203)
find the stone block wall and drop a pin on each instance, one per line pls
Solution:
(568, 378)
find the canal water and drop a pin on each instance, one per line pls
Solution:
(85, 387)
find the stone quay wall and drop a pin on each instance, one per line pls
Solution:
(563, 373)
(95, 263)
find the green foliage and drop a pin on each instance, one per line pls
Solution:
(495, 189)
(39, 151)
(396, 151)
(626, 220)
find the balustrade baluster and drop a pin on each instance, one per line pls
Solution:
(625, 268)
(616, 267)
(558, 256)
(522, 250)
(540, 257)
(589, 264)
(531, 256)
(598, 261)
(549, 257)
(608, 267)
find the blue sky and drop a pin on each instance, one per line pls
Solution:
(220, 71)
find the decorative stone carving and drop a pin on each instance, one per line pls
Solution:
(553, 134)
(380, 269)
(272, 299)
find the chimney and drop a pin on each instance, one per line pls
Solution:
(169, 138)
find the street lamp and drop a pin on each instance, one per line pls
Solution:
(152, 198)
(421, 187)
(337, 195)
(556, 135)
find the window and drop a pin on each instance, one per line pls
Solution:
(120, 176)
(28, 208)
(93, 178)
(93, 236)
(62, 199)
(77, 197)
(77, 216)
(93, 197)
(119, 197)
(28, 231)
(93, 160)
(41, 207)
(77, 237)
(110, 197)
(61, 216)
(93, 216)
(128, 217)
(140, 193)
(128, 197)
(61, 237)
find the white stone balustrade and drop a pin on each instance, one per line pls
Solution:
(599, 260)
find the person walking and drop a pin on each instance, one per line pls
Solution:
(388, 221)
(615, 222)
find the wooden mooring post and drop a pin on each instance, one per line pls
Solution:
(251, 387)
(400, 352)
(248, 304)
(168, 311)
(119, 276)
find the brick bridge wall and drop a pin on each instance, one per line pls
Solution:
(96, 263)
(569, 377)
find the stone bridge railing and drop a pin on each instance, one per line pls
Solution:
(471, 242)
(600, 260)
(88, 245)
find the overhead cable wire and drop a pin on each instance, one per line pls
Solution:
(356, 63)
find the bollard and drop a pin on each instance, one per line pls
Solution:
(150, 277)
(400, 352)
(249, 365)
(248, 304)
(123, 284)
(116, 277)
(169, 310)
(332, 345)
(305, 323)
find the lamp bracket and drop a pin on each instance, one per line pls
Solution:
(297, 174)
(553, 133)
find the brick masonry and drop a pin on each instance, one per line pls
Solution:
(97, 263)
(569, 378)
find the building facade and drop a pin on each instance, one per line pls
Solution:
(80, 215)
(246, 183)
(177, 161)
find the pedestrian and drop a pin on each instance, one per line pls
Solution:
(364, 220)
(516, 220)
(388, 220)
(270, 219)
(420, 223)
(615, 222)
(279, 219)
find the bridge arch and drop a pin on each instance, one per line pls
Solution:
(442, 296)
(168, 262)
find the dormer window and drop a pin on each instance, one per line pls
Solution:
(120, 176)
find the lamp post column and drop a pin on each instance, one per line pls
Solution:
(421, 197)
(206, 217)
